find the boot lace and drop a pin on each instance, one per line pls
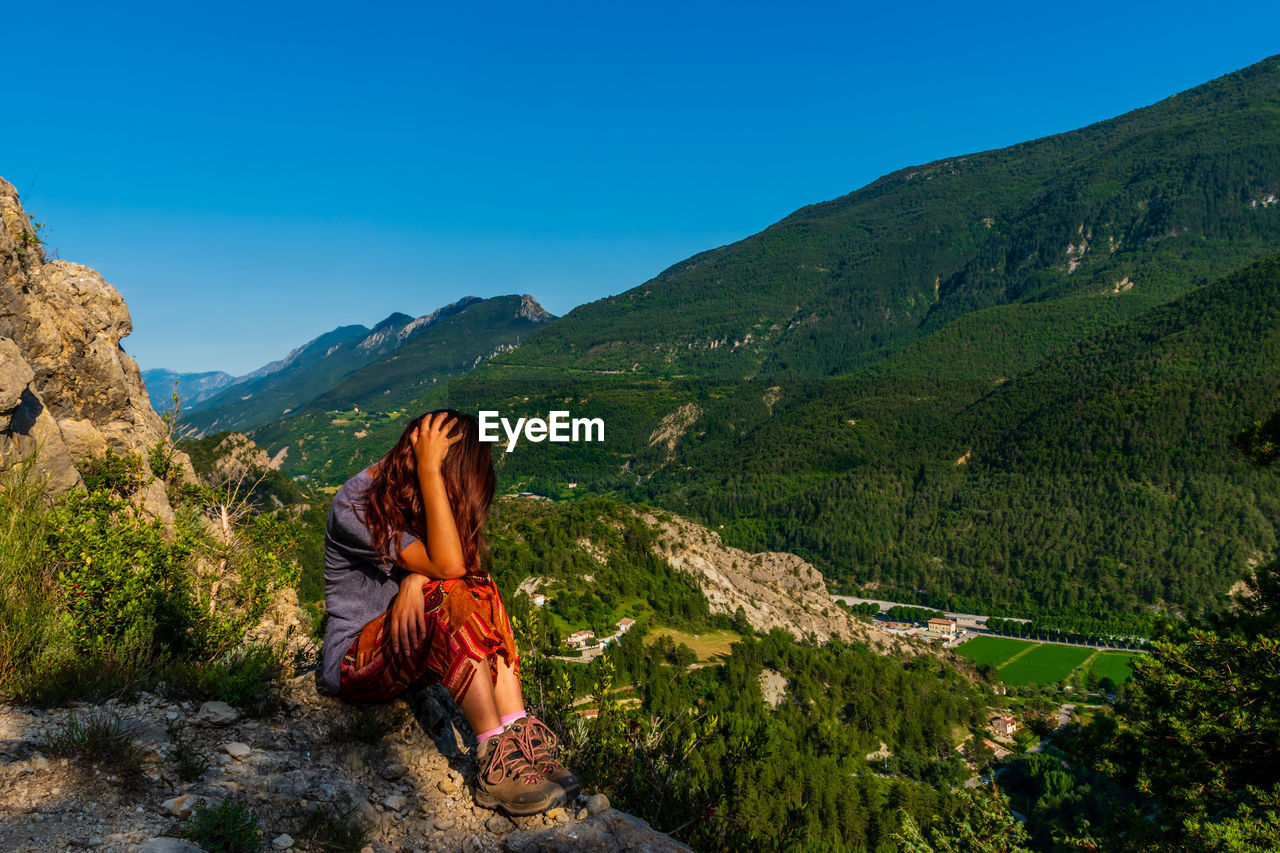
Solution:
(537, 741)
(508, 760)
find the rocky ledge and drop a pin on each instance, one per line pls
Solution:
(402, 771)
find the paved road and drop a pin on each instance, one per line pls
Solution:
(885, 605)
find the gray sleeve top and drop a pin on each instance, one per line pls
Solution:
(359, 582)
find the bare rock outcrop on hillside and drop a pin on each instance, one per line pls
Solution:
(67, 388)
(774, 589)
(404, 771)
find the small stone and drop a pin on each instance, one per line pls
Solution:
(236, 749)
(446, 786)
(394, 771)
(366, 849)
(182, 806)
(598, 803)
(282, 842)
(172, 715)
(554, 813)
(443, 823)
(499, 825)
(395, 802)
(40, 763)
(217, 714)
(471, 844)
(582, 814)
(456, 778)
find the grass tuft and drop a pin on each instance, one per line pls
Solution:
(104, 739)
(229, 827)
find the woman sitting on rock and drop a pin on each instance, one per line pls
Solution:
(409, 603)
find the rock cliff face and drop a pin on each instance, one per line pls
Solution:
(774, 589)
(67, 388)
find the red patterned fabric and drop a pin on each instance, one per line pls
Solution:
(466, 621)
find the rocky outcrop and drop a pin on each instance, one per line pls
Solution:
(774, 589)
(403, 771)
(237, 457)
(68, 391)
(530, 309)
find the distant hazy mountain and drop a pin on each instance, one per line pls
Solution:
(332, 432)
(191, 388)
(351, 363)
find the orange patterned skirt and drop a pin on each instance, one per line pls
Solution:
(466, 621)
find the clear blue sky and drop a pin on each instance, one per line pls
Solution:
(251, 175)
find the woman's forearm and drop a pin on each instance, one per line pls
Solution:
(444, 546)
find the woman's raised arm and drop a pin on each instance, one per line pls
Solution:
(441, 555)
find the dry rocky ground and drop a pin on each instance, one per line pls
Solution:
(403, 772)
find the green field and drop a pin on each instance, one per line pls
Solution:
(1113, 665)
(1026, 662)
(996, 651)
(713, 645)
(1044, 664)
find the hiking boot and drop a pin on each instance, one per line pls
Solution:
(506, 780)
(538, 742)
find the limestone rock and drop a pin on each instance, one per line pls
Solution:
(236, 749)
(165, 844)
(597, 804)
(774, 590)
(217, 714)
(68, 390)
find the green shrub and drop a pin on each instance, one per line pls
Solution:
(29, 604)
(120, 474)
(242, 677)
(119, 574)
(228, 827)
(100, 601)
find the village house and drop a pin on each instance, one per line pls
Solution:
(578, 639)
(588, 713)
(539, 599)
(624, 624)
(1004, 725)
(942, 626)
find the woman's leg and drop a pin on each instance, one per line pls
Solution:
(478, 703)
(507, 695)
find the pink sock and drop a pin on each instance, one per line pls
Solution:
(484, 736)
(508, 719)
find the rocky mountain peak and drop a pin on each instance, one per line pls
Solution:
(531, 310)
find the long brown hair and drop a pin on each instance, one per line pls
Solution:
(393, 501)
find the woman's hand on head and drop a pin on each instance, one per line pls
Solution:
(408, 621)
(432, 439)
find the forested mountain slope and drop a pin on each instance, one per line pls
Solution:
(1103, 478)
(1152, 203)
